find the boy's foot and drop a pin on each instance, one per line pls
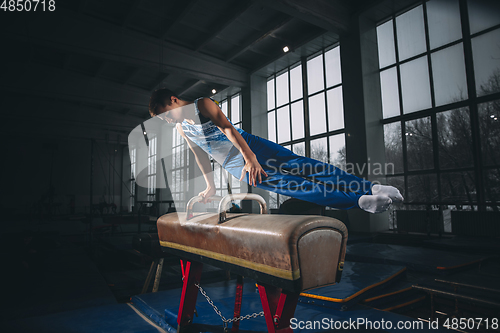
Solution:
(388, 191)
(374, 203)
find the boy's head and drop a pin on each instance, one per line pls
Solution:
(162, 101)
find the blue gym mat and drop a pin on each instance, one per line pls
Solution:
(416, 258)
(163, 306)
(116, 318)
(359, 281)
(67, 280)
(463, 243)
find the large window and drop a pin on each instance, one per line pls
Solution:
(235, 111)
(440, 87)
(180, 170)
(152, 169)
(235, 115)
(225, 182)
(318, 133)
(133, 164)
(223, 107)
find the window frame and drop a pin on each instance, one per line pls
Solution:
(307, 138)
(471, 103)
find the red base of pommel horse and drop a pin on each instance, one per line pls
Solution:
(285, 254)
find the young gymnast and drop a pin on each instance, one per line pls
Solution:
(263, 163)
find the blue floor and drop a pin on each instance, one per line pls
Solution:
(163, 306)
(359, 281)
(463, 243)
(416, 258)
(116, 318)
(70, 294)
(66, 280)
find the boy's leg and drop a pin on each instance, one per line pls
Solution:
(279, 157)
(374, 198)
(289, 184)
(297, 187)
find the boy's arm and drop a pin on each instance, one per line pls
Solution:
(201, 158)
(211, 110)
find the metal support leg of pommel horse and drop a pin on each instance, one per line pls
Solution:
(191, 274)
(278, 305)
(205, 239)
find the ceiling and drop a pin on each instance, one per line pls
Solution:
(88, 68)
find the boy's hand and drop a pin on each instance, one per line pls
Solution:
(209, 191)
(255, 170)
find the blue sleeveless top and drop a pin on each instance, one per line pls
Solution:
(209, 137)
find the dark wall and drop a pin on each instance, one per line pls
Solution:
(32, 167)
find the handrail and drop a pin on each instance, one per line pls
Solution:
(240, 196)
(198, 198)
(469, 298)
(458, 284)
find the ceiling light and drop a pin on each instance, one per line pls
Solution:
(214, 91)
(286, 49)
(144, 132)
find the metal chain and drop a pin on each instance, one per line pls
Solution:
(226, 321)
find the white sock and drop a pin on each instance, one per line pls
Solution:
(374, 203)
(388, 191)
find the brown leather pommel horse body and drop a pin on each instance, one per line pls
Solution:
(285, 254)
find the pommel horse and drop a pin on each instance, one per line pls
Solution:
(284, 254)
